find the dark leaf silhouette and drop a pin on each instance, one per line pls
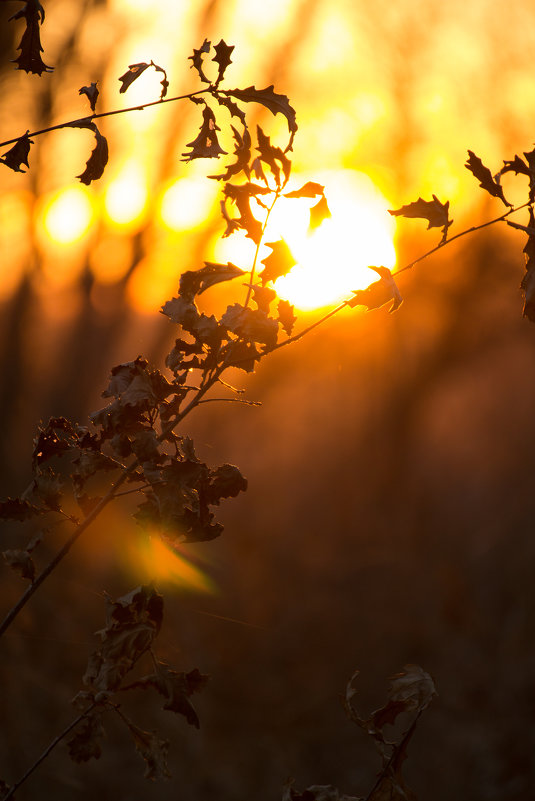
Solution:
(153, 749)
(98, 159)
(222, 57)
(310, 189)
(242, 151)
(378, 293)
(520, 167)
(164, 82)
(195, 282)
(132, 623)
(268, 98)
(30, 45)
(232, 107)
(241, 195)
(528, 281)
(286, 316)
(279, 262)
(21, 562)
(18, 154)
(484, 176)
(274, 157)
(197, 59)
(319, 213)
(435, 212)
(132, 74)
(263, 296)
(252, 324)
(205, 146)
(177, 688)
(84, 743)
(17, 509)
(91, 92)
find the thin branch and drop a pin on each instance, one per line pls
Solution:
(462, 233)
(47, 751)
(231, 400)
(92, 117)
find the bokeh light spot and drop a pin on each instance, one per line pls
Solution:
(125, 198)
(67, 215)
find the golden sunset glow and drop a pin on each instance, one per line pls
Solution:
(168, 566)
(67, 215)
(335, 258)
(126, 196)
(185, 203)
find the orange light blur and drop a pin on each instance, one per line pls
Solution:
(125, 198)
(67, 215)
(150, 555)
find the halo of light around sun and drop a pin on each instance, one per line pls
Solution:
(335, 258)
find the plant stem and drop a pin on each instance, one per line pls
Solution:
(47, 751)
(91, 117)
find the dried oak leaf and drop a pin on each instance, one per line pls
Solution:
(410, 691)
(195, 282)
(528, 281)
(132, 623)
(84, 743)
(319, 213)
(263, 296)
(484, 176)
(378, 293)
(18, 154)
(286, 316)
(242, 151)
(154, 751)
(277, 104)
(30, 45)
(311, 189)
(520, 167)
(251, 324)
(316, 792)
(197, 58)
(133, 72)
(164, 82)
(242, 355)
(18, 509)
(222, 58)
(241, 195)
(176, 688)
(435, 212)
(98, 159)
(234, 110)
(45, 489)
(55, 439)
(21, 562)
(279, 262)
(205, 145)
(270, 155)
(225, 481)
(91, 92)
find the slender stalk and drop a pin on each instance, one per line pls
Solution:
(92, 117)
(47, 751)
(257, 251)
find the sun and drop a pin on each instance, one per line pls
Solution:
(335, 258)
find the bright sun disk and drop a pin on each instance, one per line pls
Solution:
(335, 258)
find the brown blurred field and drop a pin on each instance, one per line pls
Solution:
(389, 516)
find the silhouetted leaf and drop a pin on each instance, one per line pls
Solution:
(164, 82)
(235, 110)
(91, 92)
(153, 750)
(132, 623)
(222, 57)
(310, 189)
(241, 195)
(279, 262)
(30, 45)
(225, 481)
(197, 58)
(435, 212)
(286, 316)
(410, 691)
(263, 296)
(528, 281)
(268, 98)
(17, 509)
(84, 743)
(518, 166)
(18, 154)
(195, 282)
(319, 213)
(252, 324)
(205, 146)
(242, 151)
(270, 155)
(132, 74)
(176, 688)
(484, 176)
(21, 562)
(98, 159)
(378, 293)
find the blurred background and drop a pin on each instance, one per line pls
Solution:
(389, 516)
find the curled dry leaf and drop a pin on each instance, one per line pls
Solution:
(18, 154)
(378, 293)
(279, 262)
(30, 45)
(98, 159)
(91, 92)
(435, 212)
(484, 176)
(197, 59)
